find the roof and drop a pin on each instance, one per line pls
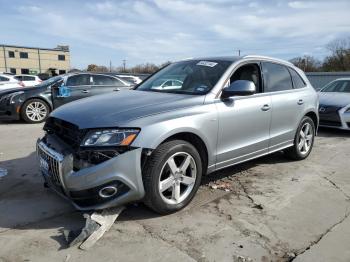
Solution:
(237, 58)
(328, 73)
(64, 48)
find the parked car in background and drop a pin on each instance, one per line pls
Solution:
(334, 108)
(8, 81)
(28, 80)
(155, 144)
(131, 78)
(33, 104)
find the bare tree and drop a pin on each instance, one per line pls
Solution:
(96, 68)
(339, 60)
(307, 63)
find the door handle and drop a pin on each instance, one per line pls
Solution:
(265, 108)
(300, 102)
(116, 89)
(85, 91)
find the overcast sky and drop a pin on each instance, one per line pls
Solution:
(161, 30)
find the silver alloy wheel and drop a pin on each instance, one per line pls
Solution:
(306, 137)
(36, 111)
(177, 178)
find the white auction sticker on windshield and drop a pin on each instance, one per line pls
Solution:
(207, 63)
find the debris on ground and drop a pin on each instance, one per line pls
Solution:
(96, 225)
(242, 259)
(3, 172)
(226, 186)
(295, 179)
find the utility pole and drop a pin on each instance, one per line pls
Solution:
(3, 48)
(110, 66)
(124, 65)
(239, 52)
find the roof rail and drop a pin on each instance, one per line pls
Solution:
(268, 58)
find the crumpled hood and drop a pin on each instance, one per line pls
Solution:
(334, 99)
(119, 108)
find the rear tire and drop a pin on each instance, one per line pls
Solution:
(172, 176)
(303, 140)
(35, 111)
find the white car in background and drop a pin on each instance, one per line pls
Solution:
(169, 84)
(9, 81)
(28, 80)
(132, 79)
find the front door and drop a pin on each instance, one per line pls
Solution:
(244, 121)
(75, 87)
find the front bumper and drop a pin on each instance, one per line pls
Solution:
(9, 111)
(339, 119)
(82, 187)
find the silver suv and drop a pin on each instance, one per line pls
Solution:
(155, 144)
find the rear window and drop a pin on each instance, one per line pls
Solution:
(276, 77)
(298, 82)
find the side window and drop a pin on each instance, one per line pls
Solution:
(100, 80)
(28, 78)
(298, 82)
(78, 80)
(250, 72)
(276, 77)
(4, 78)
(19, 78)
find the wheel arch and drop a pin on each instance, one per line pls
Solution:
(314, 118)
(194, 140)
(40, 98)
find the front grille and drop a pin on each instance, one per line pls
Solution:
(50, 165)
(329, 115)
(66, 131)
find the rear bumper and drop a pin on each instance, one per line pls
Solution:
(82, 187)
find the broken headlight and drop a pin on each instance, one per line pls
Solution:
(110, 137)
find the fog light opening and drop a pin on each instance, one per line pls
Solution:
(108, 191)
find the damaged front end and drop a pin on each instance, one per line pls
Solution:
(94, 169)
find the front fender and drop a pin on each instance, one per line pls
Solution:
(202, 122)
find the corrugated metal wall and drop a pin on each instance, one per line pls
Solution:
(320, 79)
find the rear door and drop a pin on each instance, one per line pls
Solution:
(101, 84)
(78, 86)
(287, 104)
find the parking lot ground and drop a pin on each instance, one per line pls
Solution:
(270, 209)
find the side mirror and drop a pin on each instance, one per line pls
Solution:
(239, 88)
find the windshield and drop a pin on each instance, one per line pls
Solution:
(194, 77)
(50, 81)
(342, 86)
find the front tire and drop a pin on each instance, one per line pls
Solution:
(35, 111)
(172, 176)
(303, 141)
